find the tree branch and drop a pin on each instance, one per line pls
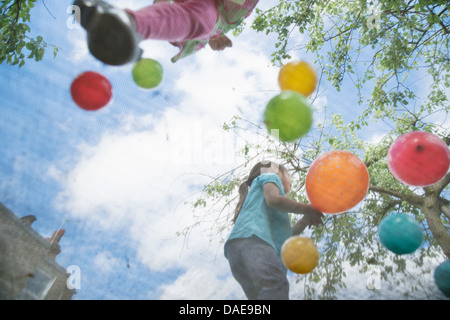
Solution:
(440, 185)
(413, 199)
(445, 210)
(19, 7)
(391, 204)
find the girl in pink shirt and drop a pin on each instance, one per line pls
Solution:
(114, 34)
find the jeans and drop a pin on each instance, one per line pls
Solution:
(258, 269)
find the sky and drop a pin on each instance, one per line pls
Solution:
(121, 180)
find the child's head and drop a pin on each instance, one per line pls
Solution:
(280, 170)
(258, 169)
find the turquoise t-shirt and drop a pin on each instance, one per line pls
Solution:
(257, 218)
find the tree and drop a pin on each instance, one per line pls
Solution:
(382, 47)
(406, 36)
(14, 27)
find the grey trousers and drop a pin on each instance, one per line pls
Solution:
(258, 269)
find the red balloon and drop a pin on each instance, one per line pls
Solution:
(91, 91)
(418, 159)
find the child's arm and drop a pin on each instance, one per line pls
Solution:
(275, 200)
(299, 227)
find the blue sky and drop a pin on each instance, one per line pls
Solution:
(117, 179)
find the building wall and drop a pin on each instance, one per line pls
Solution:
(27, 266)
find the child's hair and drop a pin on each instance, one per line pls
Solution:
(245, 186)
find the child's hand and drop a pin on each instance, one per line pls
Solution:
(220, 43)
(312, 216)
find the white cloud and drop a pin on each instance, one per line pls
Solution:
(376, 138)
(79, 51)
(105, 262)
(206, 283)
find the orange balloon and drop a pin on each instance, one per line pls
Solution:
(299, 254)
(337, 181)
(298, 76)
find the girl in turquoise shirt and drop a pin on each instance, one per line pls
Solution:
(261, 225)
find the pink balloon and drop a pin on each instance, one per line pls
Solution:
(419, 159)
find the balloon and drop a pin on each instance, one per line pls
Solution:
(91, 91)
(298, 76)
(418, 159)
(147, 73)
(290, 113)
(336, 181)
(400, 233)
(299, 254)
(442, 277)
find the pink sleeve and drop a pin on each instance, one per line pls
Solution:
(156, 1)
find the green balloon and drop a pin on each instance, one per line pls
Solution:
(147, 73)
(290, 113)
